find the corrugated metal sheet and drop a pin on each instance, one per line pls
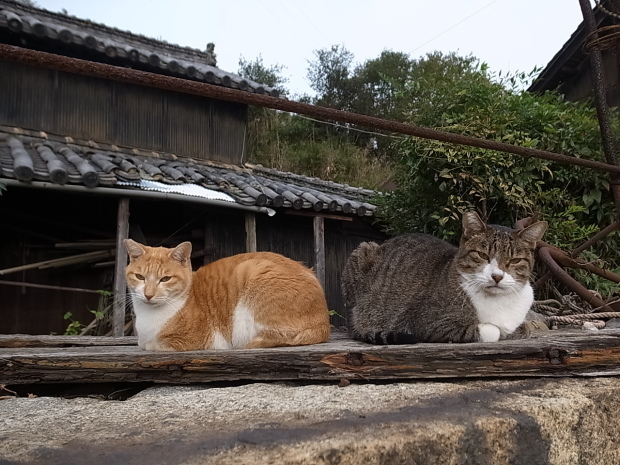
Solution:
(192, 190)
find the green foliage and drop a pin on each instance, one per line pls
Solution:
(294, 143)
(75, 327)
(439, 180)
(257, 71)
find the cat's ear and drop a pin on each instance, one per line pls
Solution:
(533, 233)
(182, 252)
(134, 249)
(472, 225)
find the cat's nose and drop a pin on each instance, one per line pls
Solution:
(497, 277)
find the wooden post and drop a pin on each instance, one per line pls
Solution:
(319, 249)
(120, 284)
(250, 232)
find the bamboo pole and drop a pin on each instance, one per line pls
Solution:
(46, 286)
(59, 262)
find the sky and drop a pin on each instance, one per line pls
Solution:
(509, 35)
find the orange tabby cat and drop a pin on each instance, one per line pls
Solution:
(250, 300)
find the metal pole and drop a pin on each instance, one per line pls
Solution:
(600, 99)
(134, 76)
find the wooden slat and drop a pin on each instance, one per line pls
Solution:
(319, 249)
(554, 354)
(120, 283)
(250, 232)
(27, 340)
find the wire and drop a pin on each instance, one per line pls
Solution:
(455, 25)
(348, 128)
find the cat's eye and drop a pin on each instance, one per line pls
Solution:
(515, 261)
(481, 255)
(140, 277)
(165, 279)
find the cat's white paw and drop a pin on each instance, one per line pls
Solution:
(488, 332)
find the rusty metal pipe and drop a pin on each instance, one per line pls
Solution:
(133, 76)
(545, 255)
(597, 237)
(565, 260)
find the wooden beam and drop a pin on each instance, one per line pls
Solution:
(59, 262)
(550, 354)
(250, 232)
(46, 286)
(25, 340)
(319, 249)
(120, 283)
(315, 214)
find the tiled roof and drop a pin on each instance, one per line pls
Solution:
(37, 156)
(68, 34)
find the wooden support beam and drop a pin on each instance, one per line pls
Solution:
(250, 232)
(315, 214)
(319, 249)
(209, 242)
(120, 283)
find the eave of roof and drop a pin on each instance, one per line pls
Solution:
(34, 156)
(124, 47)
(569, 59)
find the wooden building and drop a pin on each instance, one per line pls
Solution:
(569, 70)
(87, 161)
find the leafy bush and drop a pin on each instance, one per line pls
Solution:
(438, 180)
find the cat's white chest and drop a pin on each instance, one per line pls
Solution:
(505, 311)
(502, 309)
(151, 319)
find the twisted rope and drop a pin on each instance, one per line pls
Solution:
(568, 312)
(610, 13)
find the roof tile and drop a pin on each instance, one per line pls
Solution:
(30, 155)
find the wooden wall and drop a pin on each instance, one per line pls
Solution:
(123, 114)
(35, 220)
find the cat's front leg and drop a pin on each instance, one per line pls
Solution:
(488, 332)
(523, 331)
(156, 346)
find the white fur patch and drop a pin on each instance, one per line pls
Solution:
(244, 326)
(219, 342)
(488, 332)
(152, 316)
(502, 304)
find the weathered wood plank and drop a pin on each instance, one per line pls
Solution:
(27, 340)
(554, 354)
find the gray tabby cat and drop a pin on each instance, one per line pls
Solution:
(417, 288)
